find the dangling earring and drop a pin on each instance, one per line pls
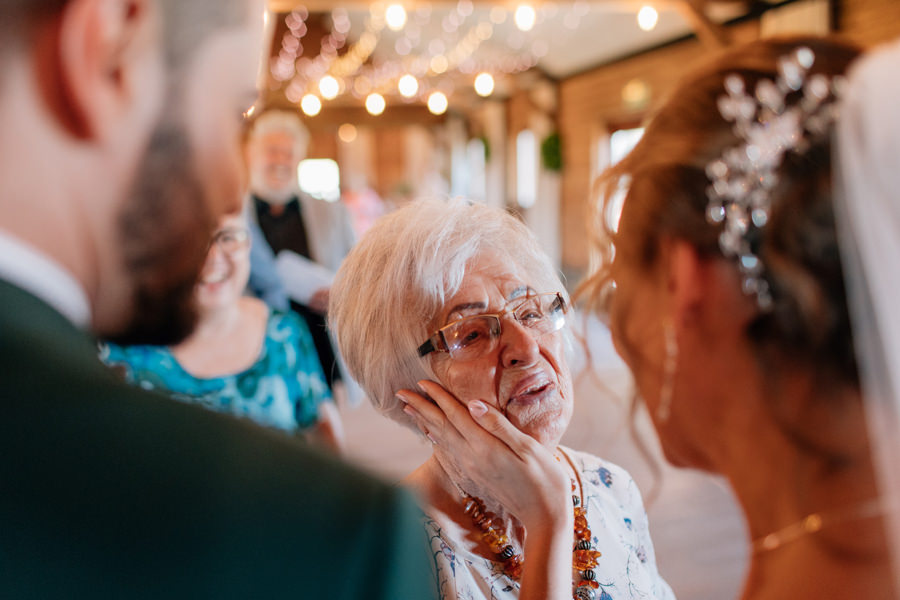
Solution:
(670, 364)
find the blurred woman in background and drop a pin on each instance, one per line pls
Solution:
(243, 358)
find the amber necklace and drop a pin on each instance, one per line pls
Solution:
(584, 557)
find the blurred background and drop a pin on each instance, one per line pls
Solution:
(516, 104)
(521, 105)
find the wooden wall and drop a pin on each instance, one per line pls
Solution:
(591, 104)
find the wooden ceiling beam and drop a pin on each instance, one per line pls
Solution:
(710, 33)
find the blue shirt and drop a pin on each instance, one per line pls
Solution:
(282, 389)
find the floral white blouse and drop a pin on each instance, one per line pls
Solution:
(626, 569)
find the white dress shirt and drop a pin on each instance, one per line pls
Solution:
(27, 267)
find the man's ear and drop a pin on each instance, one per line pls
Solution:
(89, 57)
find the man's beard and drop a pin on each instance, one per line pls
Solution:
(262, 190)
(165, 228)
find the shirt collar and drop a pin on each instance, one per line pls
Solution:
(265, 208)
(27, 267)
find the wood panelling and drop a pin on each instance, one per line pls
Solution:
(390, 161)
(591, 104)
(869, 22)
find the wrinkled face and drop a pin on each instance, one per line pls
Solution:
(526, 376)
(275, 157)
(227, 267)
(190, 176)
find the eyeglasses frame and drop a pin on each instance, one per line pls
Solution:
(438, 343)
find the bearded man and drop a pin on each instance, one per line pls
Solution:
(120, 151)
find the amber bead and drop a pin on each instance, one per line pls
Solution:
(586, 583)
(471, 505)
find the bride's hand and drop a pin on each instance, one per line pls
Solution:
(514, 469)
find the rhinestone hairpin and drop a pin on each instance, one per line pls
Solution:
(743, 178)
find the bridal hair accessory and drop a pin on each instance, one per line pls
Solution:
(743, 178)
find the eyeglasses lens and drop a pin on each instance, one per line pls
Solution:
(231, 240)
(475, 336)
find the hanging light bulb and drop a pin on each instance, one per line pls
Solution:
(484, 84)
(647, 18)
(439, 64)
(347, 132)
(437, 103)
(375, 104)
(408, 86)
(310, 105)
(395, 16)
(329, 87)
(525, 17)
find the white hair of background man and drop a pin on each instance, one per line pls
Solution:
(392, 285)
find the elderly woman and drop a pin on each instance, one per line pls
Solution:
(458, 301)
(730, 305)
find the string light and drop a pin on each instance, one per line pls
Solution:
(375, 104)
(439, 64)
(395, 17)
(437, 103)
(525, 17)
(347, 132)
(310, 105)
(329, 87)
(647, 18)
(484, 84)
(408, 85)
(351, 71)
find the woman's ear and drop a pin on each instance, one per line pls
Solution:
(90, 59)
(706, 292)
(686, 281)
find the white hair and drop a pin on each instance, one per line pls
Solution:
(282, 121)
(394, 282)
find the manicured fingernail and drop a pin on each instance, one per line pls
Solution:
(477, 408)
(402, 398)
(409, 410)
(419, 384)
(431, 439)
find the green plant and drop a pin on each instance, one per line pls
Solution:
(551, 152)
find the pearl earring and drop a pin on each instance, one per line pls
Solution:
(670, 365)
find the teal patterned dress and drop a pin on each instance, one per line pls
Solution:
(282, 389)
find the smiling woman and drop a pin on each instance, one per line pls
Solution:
(242, 359)
(458, 300)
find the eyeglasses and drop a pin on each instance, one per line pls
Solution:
(231, 240)
(475, 336)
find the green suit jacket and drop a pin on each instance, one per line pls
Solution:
(110, 492)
